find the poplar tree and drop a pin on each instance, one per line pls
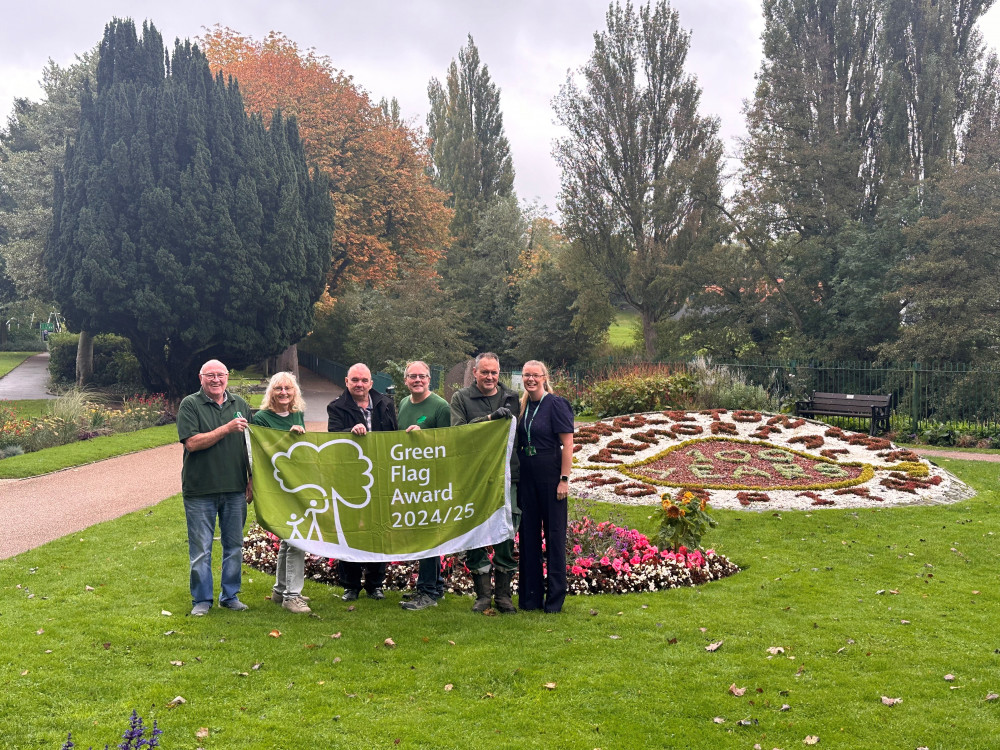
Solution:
(640, 166)
(180, 222)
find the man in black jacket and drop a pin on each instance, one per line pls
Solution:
(358, 410)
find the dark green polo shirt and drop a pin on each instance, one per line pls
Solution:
(224, 466)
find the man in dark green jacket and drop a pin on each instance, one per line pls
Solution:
(489, 399)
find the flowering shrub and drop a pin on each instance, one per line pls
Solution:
(685, 519)
(602, 558)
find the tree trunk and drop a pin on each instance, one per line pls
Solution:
(287, 361)
(648, 333)
(84, 359)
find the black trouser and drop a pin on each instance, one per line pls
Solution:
(541, 512)
(350, 575)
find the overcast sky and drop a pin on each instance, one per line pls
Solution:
(392, 49)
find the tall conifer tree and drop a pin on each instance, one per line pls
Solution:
(182, 223)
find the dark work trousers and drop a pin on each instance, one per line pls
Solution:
(541, 513)
(350, 575)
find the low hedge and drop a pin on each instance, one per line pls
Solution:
(114, 362)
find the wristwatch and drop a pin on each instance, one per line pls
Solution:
(563, 478)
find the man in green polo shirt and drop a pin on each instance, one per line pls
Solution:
(215, 481)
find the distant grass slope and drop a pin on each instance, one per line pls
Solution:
(10, 360)
(623, 331)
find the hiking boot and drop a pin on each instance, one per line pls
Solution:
(484, 591)
(502, 594)
(422, 601)
(296, 605)
(350, 595)
(201, 609)
(376, 594)
(234, 604)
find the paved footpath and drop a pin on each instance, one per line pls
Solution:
(41, 509)
(28, 380)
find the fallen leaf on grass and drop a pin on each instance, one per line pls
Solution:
(714, 646)
(177, 663)
(88, 588)
(166, 613)
(176, 702)
(775, 650)
(335, 635)
(992, 696)
(615, 637)
(747, 722)
(904, 622)
(336, 660)
(737, 691)
(448, 687)
(812, 739)
(275, 634)
(891, 701)
(785, 707)
(389, 643)
(593, 613)
(25, 672)
(451, 643)
(170, 632)
(39, 631)
(949, 678)
(719, 720)
(257, 666)
(202, 733)
(550, 686)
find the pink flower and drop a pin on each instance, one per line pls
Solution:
(577, 549)
(577, 570)
(617, 564)
(605, 560)
(635, 560)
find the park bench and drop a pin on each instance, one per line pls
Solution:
(875, 408)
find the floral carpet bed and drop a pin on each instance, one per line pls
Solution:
(751, 460)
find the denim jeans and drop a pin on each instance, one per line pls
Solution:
(201, 511)
(290, 570)
(429, 578)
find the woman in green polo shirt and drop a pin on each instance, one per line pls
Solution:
(283, 409)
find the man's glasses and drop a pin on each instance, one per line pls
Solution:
(417, 376)
(215, 375)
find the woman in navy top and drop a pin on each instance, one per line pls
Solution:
(545, 450)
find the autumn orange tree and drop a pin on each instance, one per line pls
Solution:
(391, 222)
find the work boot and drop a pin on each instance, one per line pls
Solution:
(502, 594)
(484, 591)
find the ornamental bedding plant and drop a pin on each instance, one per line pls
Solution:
(602, 558)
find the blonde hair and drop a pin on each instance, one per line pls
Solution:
(546, 386)
(283, 378)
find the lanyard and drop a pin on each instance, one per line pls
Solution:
(527, 426)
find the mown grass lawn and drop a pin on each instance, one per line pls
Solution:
(85, 452)
(865, 604)
(623, 330)
(10, 360)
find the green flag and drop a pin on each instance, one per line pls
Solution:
(385, 495)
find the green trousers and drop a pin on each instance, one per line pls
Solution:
(478, 560)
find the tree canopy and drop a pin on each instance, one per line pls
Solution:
(391, 221)
(181, 222)
(640, 166)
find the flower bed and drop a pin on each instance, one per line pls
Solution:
(751, 461)
(602, 558)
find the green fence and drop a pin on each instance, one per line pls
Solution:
(956, 395)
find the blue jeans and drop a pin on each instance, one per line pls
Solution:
(201, 512)
(429, 578)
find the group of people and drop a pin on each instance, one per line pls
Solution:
(216, 481)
